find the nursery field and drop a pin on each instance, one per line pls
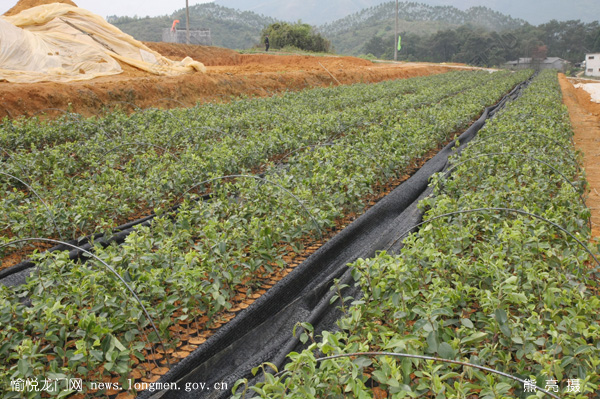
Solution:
(164, 225)
(499, 276)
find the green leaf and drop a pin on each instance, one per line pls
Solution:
(272, 366)
(76, 357)
(23, 367)
(363, 361)
(582, 349)
(304, 338)
(473, 338)
(118, 344)
(432, 342)
(380, 376)
(501, 316)
(467, 323)
(446, 351)
(505, 330)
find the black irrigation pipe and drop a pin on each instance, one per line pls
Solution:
(106, 265)
(124, 230)
(515, 154)
(435, 359)
(121, 232)
(507, 210)
(119, 235)
(40, 198)
(137, 143)
(483, 140)
(262, 179)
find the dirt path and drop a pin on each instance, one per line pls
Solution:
(585, 118)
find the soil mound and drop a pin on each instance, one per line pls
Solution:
(229, 74)
(27, 4)
(209, 56)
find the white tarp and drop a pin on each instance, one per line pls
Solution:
(593, 89)
(61, 43)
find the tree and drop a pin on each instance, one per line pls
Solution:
(376, 46)
(299, 35)
(443, 45)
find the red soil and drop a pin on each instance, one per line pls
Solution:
(585, 118)
(228, 74)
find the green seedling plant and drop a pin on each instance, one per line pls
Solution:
(509, 292)
(191, 262)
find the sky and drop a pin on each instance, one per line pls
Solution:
(141, 8)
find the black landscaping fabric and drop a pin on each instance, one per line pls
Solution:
(263, 332)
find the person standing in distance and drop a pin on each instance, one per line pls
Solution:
(266, 43)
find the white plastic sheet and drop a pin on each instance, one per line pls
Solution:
(61, 43)
(593, 89)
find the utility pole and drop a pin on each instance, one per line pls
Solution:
(187, 20)
(396, 40)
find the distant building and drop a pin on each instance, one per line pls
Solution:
(592, 64)
(201, 37)
(532, 63)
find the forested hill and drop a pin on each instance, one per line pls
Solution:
(438, 34)
(318, 12)
(413, 11)
(236, 29)
(230, 28)
(349, 34)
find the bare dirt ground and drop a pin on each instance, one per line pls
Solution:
(585, 118)
(229, 74)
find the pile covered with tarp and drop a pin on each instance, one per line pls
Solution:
(61, 43)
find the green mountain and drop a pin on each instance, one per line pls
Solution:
(535, 11)
(319, 12)
(241, 29)
(348, 35)
(229, 28)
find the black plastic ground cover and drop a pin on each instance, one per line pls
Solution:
(263, 332)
